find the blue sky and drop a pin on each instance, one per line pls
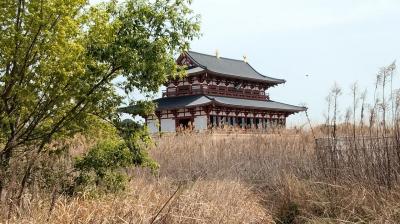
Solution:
(339, 41)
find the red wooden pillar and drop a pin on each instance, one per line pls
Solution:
(158, 114)
(217, 111)
(263, 120)
(207, 110)
(192, 113)
(270, 119)
(175, 113)
(284, 121)
(245, 119)
(254, 119)
(236, 122)
(228, 119)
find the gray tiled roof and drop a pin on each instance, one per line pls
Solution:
(198, 100)
(259, 104)
(181, 102)
(230, 67)
(195, 70)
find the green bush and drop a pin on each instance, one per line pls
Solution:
(102, 167)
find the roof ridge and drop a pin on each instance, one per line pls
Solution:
(233, 59)
(174, 97)
(231, 97)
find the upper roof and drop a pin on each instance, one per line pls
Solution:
(230, 67)
(168, 103)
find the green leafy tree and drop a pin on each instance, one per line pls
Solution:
(58, 60)
(100, 167)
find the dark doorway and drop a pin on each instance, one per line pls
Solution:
(239, 121)
(231, 120)
(184, 123)
(257, 123)
(212, 122)
(248, 122)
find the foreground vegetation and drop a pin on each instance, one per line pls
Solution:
(220, 178)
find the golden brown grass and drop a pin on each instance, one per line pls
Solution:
(248, 158)
(234, 178)
(195, 202)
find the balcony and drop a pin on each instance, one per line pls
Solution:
(215, 90)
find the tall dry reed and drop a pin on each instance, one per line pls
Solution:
(215, 178)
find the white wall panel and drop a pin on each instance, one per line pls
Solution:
(153, 126)
(200, 122)
(167, 125)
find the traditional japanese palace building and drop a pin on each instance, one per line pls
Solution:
(218, 92)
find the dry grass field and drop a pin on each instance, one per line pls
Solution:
(225, 178)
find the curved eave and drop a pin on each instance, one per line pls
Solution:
(195, 71)
(262, 108)
(275, 80)
(256, 104)
(175, 108)
(179, 102)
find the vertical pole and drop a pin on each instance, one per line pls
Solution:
(263, 121)
(245, 119)
(192, 113)
(236, 117)
(218, 118)
(254, 120)
(175, 113)
(270, 120)
(158, 114)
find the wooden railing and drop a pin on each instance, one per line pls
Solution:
(216, 90)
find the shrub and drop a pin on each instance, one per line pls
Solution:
(102, 167)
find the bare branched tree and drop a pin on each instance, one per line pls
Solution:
(354, 93)
(363, 98)
(336, 91)
(328, 121)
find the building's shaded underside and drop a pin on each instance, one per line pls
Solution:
(169, 103)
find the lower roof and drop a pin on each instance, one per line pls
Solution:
(169, 103)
